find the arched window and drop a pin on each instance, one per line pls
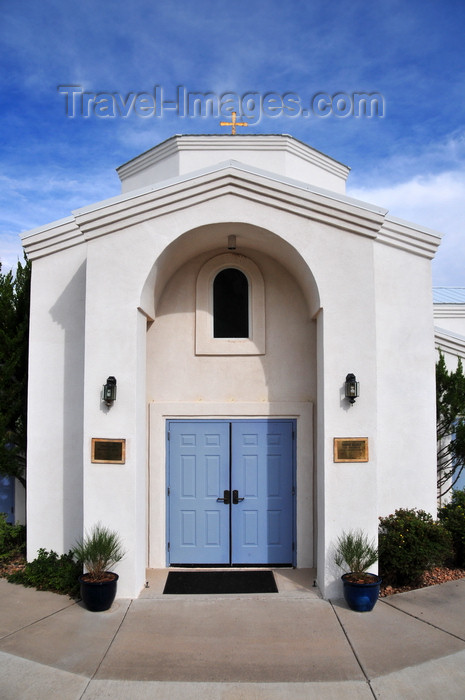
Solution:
(230, 304)
(230, 307)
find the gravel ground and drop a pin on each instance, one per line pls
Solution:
(440, 574)
(11, 566)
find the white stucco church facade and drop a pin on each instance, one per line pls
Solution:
(229, 290)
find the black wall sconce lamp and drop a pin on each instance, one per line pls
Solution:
(109, 391)
(352, 388)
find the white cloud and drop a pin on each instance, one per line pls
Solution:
(424, 184)
(436, 201)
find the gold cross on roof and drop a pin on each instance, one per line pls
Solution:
(233, 123)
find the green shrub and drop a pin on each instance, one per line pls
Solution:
(410, 543)
(452, 516)
(50, 572)
(12, 539)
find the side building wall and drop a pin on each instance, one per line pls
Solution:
(406, 381)
(56, 386)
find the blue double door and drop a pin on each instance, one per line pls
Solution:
(231, 492)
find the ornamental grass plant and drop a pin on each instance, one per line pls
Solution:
(99, 551)
(355, 553)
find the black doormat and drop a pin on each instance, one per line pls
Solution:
(190, 582)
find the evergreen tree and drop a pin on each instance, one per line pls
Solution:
(450, 412)
(14, 344)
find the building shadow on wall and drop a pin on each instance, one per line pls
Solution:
(69, 313)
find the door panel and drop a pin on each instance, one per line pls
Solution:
(199, 473)
(252, 460)
(262, 473)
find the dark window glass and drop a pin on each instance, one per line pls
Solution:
(230, 304)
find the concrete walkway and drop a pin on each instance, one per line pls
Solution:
(291, 644)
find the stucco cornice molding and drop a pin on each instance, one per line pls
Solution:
(449, 310)
(239, 180)
(148, 158)
(45, 240)
(410, 237)
(261, 142)
(449, 342)
(231, 179)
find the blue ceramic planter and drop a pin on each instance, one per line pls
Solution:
(98, 596)
(361, 597)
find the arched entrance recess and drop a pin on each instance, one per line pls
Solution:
(277, 381)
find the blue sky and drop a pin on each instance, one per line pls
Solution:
(411, 160)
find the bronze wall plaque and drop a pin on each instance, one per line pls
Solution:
(351, 449)
(106, 451)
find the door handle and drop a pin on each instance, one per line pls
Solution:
(226, 498)
(236, 498)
